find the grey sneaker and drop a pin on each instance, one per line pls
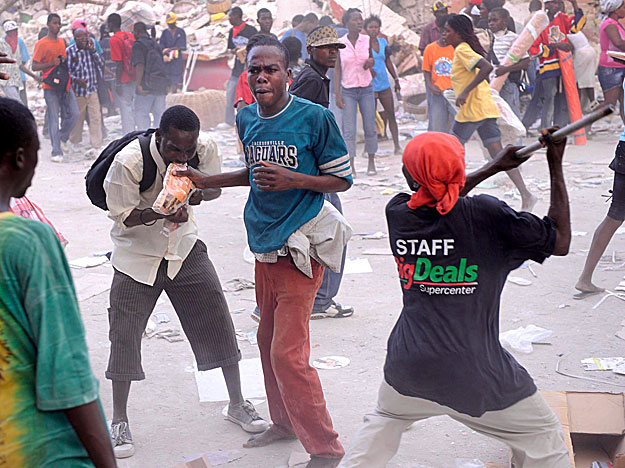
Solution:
(334, 311)
(246, 416)
(123, 447)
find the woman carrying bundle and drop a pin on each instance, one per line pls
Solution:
(477, 108)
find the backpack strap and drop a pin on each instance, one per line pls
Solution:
(149, 165)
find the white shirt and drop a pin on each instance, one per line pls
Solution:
(139, 250)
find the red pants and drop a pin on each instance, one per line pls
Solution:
(297, 406)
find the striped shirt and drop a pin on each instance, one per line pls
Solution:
(85, 65)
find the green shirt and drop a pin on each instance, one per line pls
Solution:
(44, 365)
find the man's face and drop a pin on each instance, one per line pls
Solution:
(483, 11)
(325, 55)
(440, 13)
(177, 146)
(25, 161)
(54, 25)
(82, 39)
(496, 23)
(552, 8)
(267, 75)
(172, 26)
(265, 21)
(235, 19)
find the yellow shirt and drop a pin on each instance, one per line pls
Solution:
(480, 105)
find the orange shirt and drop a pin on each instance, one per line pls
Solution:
(46, 51)
(437, 60)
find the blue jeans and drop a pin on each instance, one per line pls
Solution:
(440, 113)
(331, 281)
(610, 77)
(125, 102)
(364, 98)
(231, 89)
(510, 93)
(337, 111)
(554, 103)
(535, 107)
(146, 105)
(61, 106)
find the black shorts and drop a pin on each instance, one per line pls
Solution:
(617, 208)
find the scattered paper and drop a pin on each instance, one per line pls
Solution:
(248, 256)
(519, 281)
(161, 317)
(238, 284)
(357, 265)
(221, 457)
(579, 233)
(331, 362)
(251, 337)
(521, 339)
(88, 262)
(469, 463)
(371, 235)
(212, 387)
(602, 364)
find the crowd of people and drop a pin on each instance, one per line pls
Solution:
(297, 130)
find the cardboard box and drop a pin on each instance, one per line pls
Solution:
(593, 426)
(200, 462)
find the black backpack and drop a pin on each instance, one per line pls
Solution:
(97, 173)
(58, 78)
(155, 78)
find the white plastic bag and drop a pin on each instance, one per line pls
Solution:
(469, 463)
(521, 339)
(509, 124)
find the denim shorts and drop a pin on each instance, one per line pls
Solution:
(487, 129)
(610, 77)
(617, 208)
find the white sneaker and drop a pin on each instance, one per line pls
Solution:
(57, 159)
(123, 447)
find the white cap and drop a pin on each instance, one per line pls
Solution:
(9, 26)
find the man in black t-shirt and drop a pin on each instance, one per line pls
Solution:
(237, 40)
(312, 83)
(453, 255)
(152, 81)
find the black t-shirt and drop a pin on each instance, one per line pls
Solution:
(236, 43)
(445, 346)
(312, 84)
(146, 51)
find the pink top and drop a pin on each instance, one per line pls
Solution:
(606, 44)
(353, 75)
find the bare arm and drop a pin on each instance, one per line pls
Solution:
(520, 65)
(428, 82)
(38, 66)
(238, 178)
(485, 68)
(391, 69)
(559, 204)
(613, 34)
(91, 430)
(337, 83)
(504, 161)
(139, 69)
(138, 217)
(272, 178)
(25, 69)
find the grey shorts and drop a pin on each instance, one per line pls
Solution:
(199, 302)
(487, 129)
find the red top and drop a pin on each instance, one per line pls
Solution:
(118, 54)
(243, 92)
(46, 51)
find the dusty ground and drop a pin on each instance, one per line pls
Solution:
(169, 422)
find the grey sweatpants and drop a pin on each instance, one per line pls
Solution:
(529, 427)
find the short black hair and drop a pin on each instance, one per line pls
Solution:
(535, 5)
(271, 42)
(140, 27)
(373, 19)
(252, 42)
(17, 126)
(51, 16)
(261, 11)
(114, 20)
(236, 11)
(180, 117)
(505, 14)
(326, 21)
(311, 18)
(297, 19)
(294, 47)
(348, 14)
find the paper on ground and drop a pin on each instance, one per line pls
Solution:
(212, 387)
(357, 265)
(602, 364)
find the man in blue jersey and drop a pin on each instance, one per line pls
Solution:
(294, 153)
